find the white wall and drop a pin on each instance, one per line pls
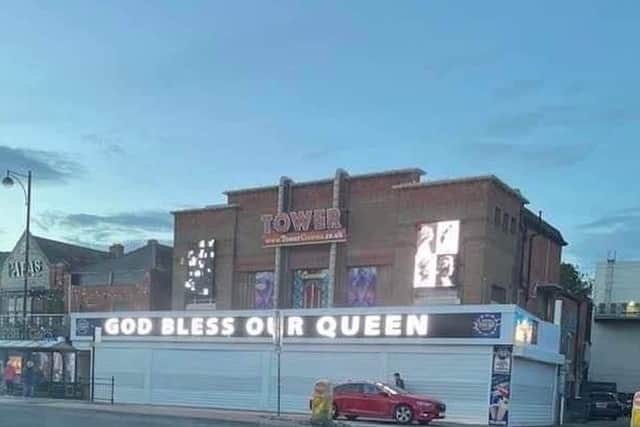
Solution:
(226, 376)
(615, 354)
(532, 393)
(188, 375)
(457, 375)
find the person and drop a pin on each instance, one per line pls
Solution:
(28, 378)
(9, 377)
(399, 381)
(446, 267)
(425, 260)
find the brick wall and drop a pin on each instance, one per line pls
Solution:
(382, 231)
(221, 225)
(133, 297)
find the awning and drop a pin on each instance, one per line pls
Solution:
(37, 345)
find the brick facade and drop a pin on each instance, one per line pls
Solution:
(139, 280)
(382, 214)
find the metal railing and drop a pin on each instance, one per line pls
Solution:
(103, 390)
(38, 327)
(617, 311)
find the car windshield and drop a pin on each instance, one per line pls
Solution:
(390, 389)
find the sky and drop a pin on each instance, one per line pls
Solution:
(126, 110)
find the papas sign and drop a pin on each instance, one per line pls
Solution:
(303, 227)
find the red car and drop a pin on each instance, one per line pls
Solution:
(378, 400)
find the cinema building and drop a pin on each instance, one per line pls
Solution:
(352, 277)
(381, 239)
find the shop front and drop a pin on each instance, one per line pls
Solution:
(47, 368)
(489, 363)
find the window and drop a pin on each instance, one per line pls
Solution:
(310, 288)
(497, 216)
(505, 221)
(362, 287)
(349, 388)
(199, 283)
(498, 295)
(514, 225)
(370, 389)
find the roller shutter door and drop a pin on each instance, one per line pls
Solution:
(532, 387)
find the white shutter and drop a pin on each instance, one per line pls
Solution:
(459, 376)
(531, 393)
(129, 369)
(221, 379)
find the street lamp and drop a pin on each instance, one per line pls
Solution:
(8, 181)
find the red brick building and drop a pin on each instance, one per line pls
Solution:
(137, 280)
(377, 239)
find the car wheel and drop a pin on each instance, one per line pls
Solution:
(334, 412)
(351, 417)
(403, 414)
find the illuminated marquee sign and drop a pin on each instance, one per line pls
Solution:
(526, 329)
(435, 325)
(436, 253)
(303, 227)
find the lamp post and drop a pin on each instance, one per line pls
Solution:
(8, 181)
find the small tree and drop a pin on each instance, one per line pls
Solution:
(574, 281)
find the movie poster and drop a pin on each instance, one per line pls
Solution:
(263, 296)
(362, 287)
(310, 288)
(500, 393)
(436, 251)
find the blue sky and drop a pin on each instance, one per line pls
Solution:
(126, 110)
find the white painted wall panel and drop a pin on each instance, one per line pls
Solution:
(615, 351)
(532, 393)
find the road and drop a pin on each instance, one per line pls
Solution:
(25, 415)
(42, 414)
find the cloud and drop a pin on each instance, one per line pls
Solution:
(519, 88)
(101, 230)
(106, 144)
(559, 155)
(145, 220)
(522, 123)
(47, 166)
(615, 231)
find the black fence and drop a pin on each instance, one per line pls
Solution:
(103, 390)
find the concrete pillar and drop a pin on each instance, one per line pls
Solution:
(280, 268)
(333, 248)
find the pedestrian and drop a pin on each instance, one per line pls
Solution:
(399, 381)
(27, 379)
(9, 377)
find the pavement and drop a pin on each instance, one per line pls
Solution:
(35, 412)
